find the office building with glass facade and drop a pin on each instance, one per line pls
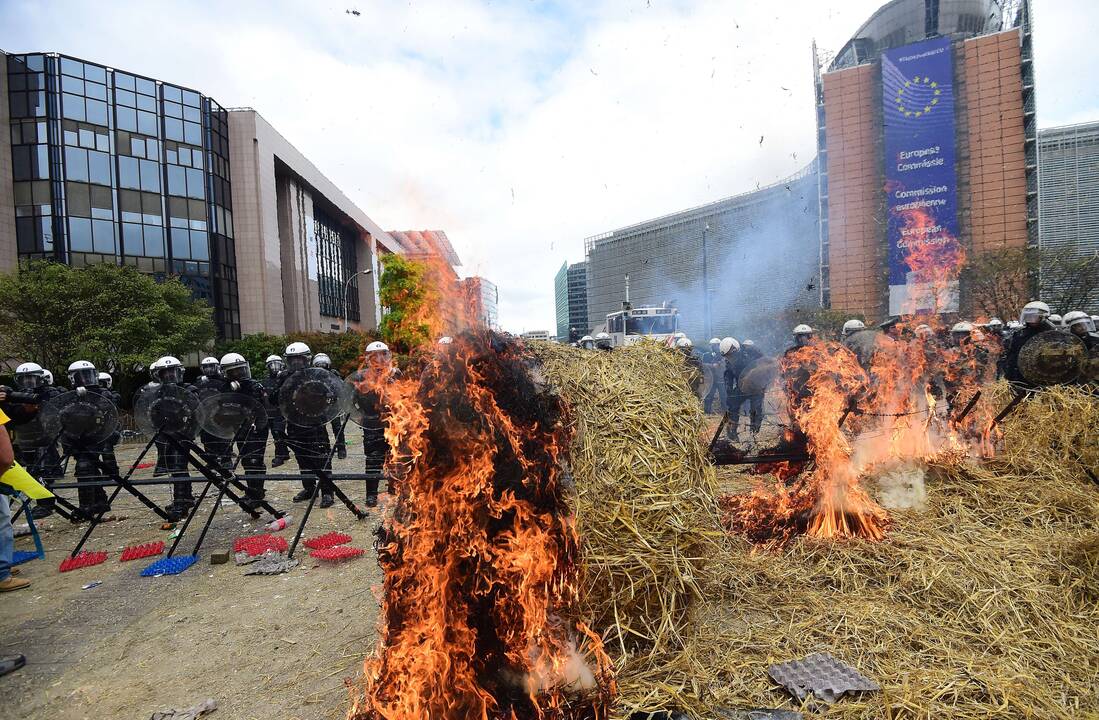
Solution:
(1068, 199)
(113, 166)
(570, 287)
(104, 165)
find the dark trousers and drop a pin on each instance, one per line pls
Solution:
(312, 451)
(278, 433)
(717, 389)
(339, 440)
(173, 461)
(252, 450)
(375, 449)
(755, 412)
(219, 448)
(87, 470)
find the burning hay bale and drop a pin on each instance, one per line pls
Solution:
(646, 512)
(479, 554)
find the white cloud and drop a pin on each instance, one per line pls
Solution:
(519, 128)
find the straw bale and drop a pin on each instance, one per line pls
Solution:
(982, 603)
(645, 505)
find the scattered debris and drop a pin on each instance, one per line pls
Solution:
(821, 675)
(89, 586)
(206, 706)
(271, 564)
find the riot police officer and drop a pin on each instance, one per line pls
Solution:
(33, 450)
(168, 370)
(251, 442)
(377, 370)
(275, 365)
(210, 382)
(93, 499)
(309, 442)
(1035, 320)
(322, 360)
(106, 386)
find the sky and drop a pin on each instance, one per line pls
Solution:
(520, 128)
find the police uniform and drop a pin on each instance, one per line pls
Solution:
(308, 442)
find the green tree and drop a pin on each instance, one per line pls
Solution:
(345, 349)
(1070, 281)
(405, 295)
(112, 315)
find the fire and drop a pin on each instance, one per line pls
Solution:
(828, 502)
(916, 400)
(479, 548)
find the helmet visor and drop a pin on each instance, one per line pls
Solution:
(209, 369)
(30, 381)
(1032, 316)
(1082, 326)
(802, 339)
(85, 377)
(171, 375)
(238, 372)
(276, 366)
(297, 362)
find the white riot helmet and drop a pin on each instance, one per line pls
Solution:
(715, 341)
(275, 364)
(603, 341)
(29, 376)
(298, 355)
(803, 335)
(48, 375)
(377, 353)
(684, 343)
(1055, 320)
(1013, 325)
(1034, 313)
(995, 324)
(1079, 322)
(444, 340)
(728, 345)
(677, 335)
(964, 326)
(209, 367)
(924, 331)
(167, 369)
(235, 367)
(105, 380)
(587, 342)
(83, 374)
(748, 343)
(852, 326)
(322, 360)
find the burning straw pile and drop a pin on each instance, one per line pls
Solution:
(646, 513)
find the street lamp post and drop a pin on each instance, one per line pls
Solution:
(346, 287)
(706, 283)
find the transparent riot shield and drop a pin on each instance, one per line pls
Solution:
(1052, 357)
(229, 415)
(83, 418)
(312, 397)
(168, 408)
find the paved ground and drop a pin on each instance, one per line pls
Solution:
(263, 647)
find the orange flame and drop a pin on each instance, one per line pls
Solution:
(479, 548)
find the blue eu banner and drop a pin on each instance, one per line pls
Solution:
(918, 113)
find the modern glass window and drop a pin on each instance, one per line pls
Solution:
(142, 175)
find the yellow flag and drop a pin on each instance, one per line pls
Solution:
(23, 482)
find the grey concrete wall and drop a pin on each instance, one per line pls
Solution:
(273, 190)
